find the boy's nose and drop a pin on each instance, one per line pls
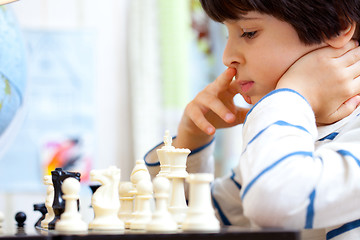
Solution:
(233, 56)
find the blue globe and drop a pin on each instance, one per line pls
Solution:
(12, 73)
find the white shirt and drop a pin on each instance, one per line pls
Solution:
(291, 174)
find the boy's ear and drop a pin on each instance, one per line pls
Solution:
(344, 37)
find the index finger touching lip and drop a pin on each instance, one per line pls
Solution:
(231, 72)
(222, 82)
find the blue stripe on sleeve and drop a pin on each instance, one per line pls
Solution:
(224, 219)
(201, 148)
(331, 136)
(344, 228)
(347, 153)
(271, 93)
(271, 167)
(310, 211)
(152, 164)
(232, 177)
(279, 123)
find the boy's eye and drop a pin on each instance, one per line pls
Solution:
(249, 34)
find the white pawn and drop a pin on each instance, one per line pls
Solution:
(162, 220)
(70, 220)
(49, 216)
(200, 215)
(126, 196)
(143, 214)
(1, 222)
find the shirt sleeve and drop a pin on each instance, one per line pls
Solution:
(286, 181)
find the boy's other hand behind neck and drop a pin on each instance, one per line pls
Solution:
(328, 78)
(344, 110)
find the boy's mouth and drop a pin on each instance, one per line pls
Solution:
(245, 86)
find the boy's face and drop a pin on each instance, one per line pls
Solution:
(261, 48)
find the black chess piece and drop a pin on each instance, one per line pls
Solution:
(41, 208)
(20, 219)
(58, 177)
(93, 188)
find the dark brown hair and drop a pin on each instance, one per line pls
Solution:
(313, 20)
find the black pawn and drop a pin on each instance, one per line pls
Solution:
(41, 208)
(20, 218)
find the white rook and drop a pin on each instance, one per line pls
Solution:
(200, 215)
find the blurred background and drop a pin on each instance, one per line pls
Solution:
(97, 83)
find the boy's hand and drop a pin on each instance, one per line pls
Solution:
(211, 109)
(329, 80)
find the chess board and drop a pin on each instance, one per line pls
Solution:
(125, 211)
(225, 233)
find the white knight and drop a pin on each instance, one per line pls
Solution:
(105, 200)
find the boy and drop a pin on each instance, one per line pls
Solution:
(296, 63)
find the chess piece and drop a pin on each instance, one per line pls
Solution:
(139, 167)
(139, 173)
(2, 217)
(143, 213)
(177, 175)
(200, 215)
(105, 200)
(93, 189)
(20, 219)
(126, 197)
(163, 157)
(70, 219)
(162, 220)
(49, 216)
(42, 209)
(58, 176)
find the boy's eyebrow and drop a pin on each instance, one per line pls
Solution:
(242, 17)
